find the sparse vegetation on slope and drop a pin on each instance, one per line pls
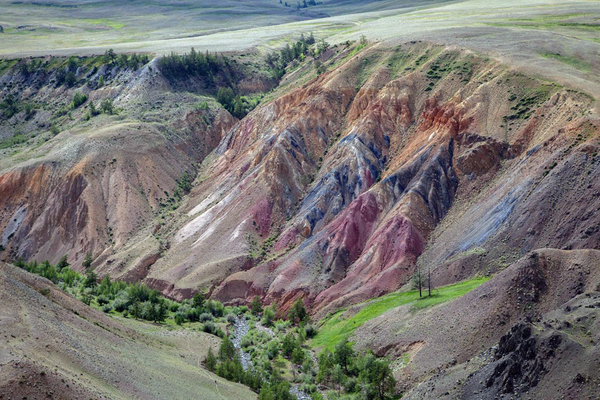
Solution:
(62, 348)
(133, 300)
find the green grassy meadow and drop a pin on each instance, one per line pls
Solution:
(336, 328)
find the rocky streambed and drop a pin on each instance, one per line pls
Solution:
(241, 330)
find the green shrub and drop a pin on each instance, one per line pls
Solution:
(215, 308)
(212, 328)
(231, 318)
(102, 300)
(204, 317)
(121, 303)
(269, 315)
(107, 106)
(78, 99)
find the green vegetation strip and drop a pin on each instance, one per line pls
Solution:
(571, 61)
(336, 328)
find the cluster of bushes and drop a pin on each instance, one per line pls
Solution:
(9, 142)
(136, 299)
(10, 106)
(66, 69)
(345, 373)
(227, 365)
(344, 370)
(268, 382)
(199, 310)
(133, 300)
(66, 78)
(272, 354)
(184, 186)
(237, 105)
(78, 99)
(49, 271)
(106, 107)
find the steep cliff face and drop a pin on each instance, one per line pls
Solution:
(332, 191)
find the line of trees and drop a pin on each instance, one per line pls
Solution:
(196, 64)
(136, 299)
(132, 61)
(130, 299)
(277, 61)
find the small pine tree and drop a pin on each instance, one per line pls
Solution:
(297, 313)
(63, 263)
(298, 356)
(211, 361)
(266, 393)
(105, 287)
(160, 313)
(343, 354)
(269, 315)
(198, 300)
(91, 280)
(288, 345)
(107, 106)
(136, 310)
(109, 56)
(256, 306)
(338, 377)
(227, 350)
(179, 319)
(87, 261)
(326, 362)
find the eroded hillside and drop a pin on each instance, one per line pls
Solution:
(358, 168)
(331, 191)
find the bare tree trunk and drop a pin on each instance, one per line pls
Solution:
(429, 279)
(420, 285)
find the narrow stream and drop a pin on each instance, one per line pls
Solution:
(241, 330)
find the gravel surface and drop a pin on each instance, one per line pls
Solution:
(300, 395)
(241, 330)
